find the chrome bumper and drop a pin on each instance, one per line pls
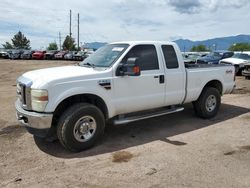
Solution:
(33, 119)
(246, 73)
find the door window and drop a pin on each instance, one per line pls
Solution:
(146, 57)
(170, 57)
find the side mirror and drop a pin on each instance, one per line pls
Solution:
(130, 68)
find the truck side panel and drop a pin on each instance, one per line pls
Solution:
(197, 79)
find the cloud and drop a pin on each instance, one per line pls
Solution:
(186, 6)
(116, 20)
(198, 6)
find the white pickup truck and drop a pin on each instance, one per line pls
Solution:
(120, 83)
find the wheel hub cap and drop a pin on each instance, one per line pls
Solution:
(211, 103)
(84, 128)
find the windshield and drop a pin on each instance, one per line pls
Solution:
(241, 56)
(216, 54)
(105, 56)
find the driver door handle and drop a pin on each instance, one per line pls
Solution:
(161, 78)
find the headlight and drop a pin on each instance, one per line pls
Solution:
(39, 99)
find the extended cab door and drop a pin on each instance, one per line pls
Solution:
(135, 93)
(175, 75)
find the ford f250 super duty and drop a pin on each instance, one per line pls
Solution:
(120, 83)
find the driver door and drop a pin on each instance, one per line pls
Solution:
(146, 91)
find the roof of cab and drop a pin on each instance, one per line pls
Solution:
(143, 42)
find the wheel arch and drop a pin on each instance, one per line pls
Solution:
(215, 84)
(87, 98)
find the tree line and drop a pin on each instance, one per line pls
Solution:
(234, 47)
(20, 41)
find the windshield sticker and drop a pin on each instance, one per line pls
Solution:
(117, 49)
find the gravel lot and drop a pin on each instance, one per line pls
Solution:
(178, 150)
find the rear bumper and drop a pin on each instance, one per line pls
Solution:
(36, 123)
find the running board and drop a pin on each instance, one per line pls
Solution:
(130, 119)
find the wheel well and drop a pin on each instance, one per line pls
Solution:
(215, 84)
(87, 98)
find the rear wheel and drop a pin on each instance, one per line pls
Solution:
(80, 127)
(208, 103)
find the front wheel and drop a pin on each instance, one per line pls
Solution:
(207, 105)
(80, 127)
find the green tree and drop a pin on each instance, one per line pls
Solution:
(69, 43)
(20, 41)
(52, 46)
(7, 45)
(240, 47)
(199, 48)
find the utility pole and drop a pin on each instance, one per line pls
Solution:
(78, 31)
(60, 41)
(70, 33)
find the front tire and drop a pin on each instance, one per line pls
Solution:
(207, 105)
(80, 127)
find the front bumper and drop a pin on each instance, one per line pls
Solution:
(36, 123)
(245, 72)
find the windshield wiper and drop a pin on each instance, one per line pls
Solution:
(89, 65)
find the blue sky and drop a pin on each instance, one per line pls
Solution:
(119, 20)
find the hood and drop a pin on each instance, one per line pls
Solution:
(65, 73)
(235, 61)
(38, 53)
(209, 58)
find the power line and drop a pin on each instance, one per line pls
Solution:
(60, 40)
(78, 31)
(70, 33)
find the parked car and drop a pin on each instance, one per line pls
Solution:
(120, 83)
(88, 53)
(38, 55)
(60, 55)
(50, 54)
(15, 54)
(4, 54)
(69, 55)
(191, 58)
(238, 60)
(214, 57)
(246, 71)
(27, 54)
(79, 56)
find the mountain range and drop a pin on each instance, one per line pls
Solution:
(222, 43)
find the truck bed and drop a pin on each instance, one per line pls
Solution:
(198, 75)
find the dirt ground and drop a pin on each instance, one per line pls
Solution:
(178, 150)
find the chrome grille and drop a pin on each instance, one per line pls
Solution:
(224, 62)
(23, 92)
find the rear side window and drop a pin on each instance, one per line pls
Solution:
(170, 57)
(147, 57)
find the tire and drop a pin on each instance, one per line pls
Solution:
(208, 104)
(80, 127)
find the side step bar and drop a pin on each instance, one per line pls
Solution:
(130, 119)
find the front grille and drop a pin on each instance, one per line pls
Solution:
(24, 95)
(200, 61)
(224, 62)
